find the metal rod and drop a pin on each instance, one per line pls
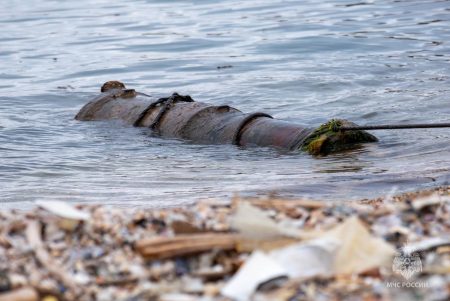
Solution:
(393, 126)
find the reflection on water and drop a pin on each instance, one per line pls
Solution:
(304, 61)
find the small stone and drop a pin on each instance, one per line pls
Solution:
(5, 283)
(211, 289)
(18, 280)
(177, 297)
(192, 285)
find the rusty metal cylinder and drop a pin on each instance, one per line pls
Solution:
(179, 116)
(114, 105)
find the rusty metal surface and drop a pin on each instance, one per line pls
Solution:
(115, 104)
(249, 118)
(90, 110)
(195, 121)
(273, 132)
(214, 125)
(175, 119)
(179, 116)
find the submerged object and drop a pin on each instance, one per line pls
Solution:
(181, 117)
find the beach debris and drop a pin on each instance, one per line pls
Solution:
(5, 282)
(258, 269)
(167, 247)
(253, 223)
(33, 235)
(434, 199)
(63, 209)
(426, 244)
(348, 248)
(313, 258)
(286, 205)
(20, 294)
(247, 249)
(177, 297)
(359, 250)
(68, 217)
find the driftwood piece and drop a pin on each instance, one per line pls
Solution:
(21, 294)
(286, 204)
(33, 233)
(181, 245)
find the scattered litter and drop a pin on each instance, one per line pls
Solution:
(63, 210)
(254, 223)
(20, 294)
(258, 269)
(168, 247)
(249, 249)
(358, 251)
(426, 244)
(67, 216)
(314, 258)
(430, 200)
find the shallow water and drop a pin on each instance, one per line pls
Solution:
(371, 62)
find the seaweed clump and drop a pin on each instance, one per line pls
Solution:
(327, 138)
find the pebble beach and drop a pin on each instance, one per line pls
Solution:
(390, 248)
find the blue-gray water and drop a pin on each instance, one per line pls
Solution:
(305, 61)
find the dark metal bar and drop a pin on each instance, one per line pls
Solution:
(393, 126)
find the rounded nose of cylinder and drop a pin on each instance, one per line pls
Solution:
(325, 139)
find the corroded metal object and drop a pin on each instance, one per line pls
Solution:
(180, 116)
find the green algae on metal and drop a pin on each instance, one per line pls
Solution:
(327, 138)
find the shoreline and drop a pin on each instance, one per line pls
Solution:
(246, 249)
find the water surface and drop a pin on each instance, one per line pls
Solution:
(305, 61)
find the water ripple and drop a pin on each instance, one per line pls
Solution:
(304, 61)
